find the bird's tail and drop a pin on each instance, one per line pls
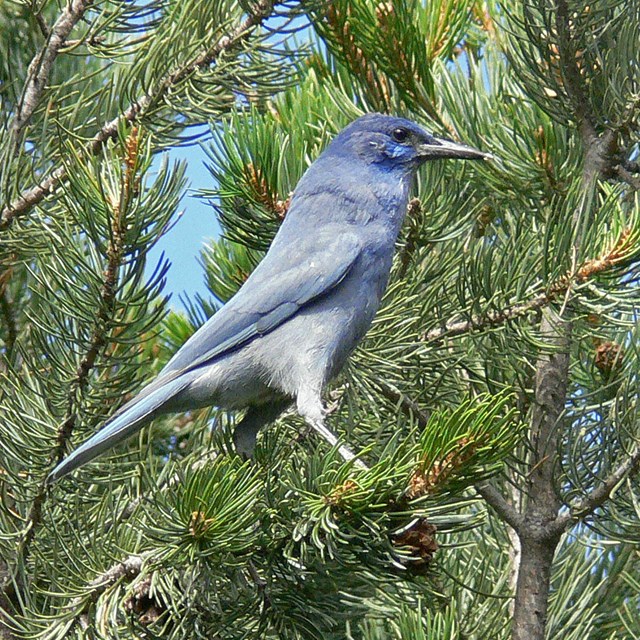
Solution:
(130, 419)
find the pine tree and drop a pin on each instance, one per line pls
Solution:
(494, 399)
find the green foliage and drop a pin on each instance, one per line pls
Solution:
(172, 535)
(519, 234)
(206, 510)
(577, 57)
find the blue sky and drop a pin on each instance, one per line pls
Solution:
(198, 224)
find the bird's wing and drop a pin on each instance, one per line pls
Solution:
(284, 282)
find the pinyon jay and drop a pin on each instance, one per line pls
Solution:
(294, 322)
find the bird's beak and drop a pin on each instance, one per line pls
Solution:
(440, 148)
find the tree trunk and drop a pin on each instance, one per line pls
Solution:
(532, 592)
(538, 541)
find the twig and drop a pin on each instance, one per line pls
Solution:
(31, 197)
(631, 166)
(42, 63)
(507, 512)
(489, 319)
(628, 176)
(406, 405)
(42, 24)
(617, 253)
(129, 568)
(37, 193)
(596, 498)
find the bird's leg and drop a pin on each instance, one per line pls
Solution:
(246, 431)
(310, 408)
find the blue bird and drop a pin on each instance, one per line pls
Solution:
(294, 322)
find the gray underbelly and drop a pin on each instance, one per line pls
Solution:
(305, 351)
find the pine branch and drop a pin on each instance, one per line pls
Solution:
(405, 404)
(488, 320)
(360, 65)
(167, 484)
(42, 24)
(32, 197)
(115, 252)
(129, 568)
(507, 512)
(108, 291)
(539, 535)
(571, 73)
(22, 204)
(597, 498)
(630, 165)
(616, 254)
(42, 63)
(627, 175)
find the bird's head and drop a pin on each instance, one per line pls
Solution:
(398, 144)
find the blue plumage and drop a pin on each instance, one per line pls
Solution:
(293, 323)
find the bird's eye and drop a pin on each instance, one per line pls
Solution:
(400, 134)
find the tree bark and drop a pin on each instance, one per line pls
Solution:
(532, 591)
(538, 539)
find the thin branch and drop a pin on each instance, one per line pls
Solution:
(108, 292)
(42, 24)
(41, 65)
(405, 404)
(628, 176)
(243, 30)
(507, 512)
(573, 81)
(616, 254)
(129, 568)
(32, 197)
(631, 166)
(596, 498)
(106, 302)
(489, 319)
